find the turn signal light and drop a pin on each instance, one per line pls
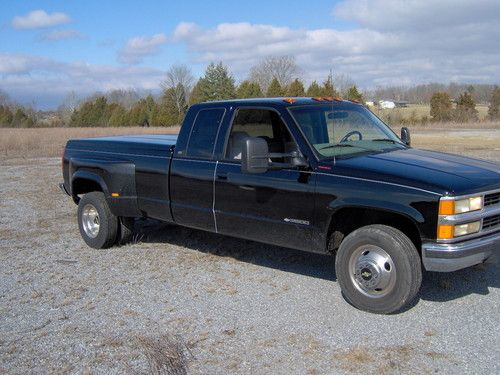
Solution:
(445, 232)
(446, 207)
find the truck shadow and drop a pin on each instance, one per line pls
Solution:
(275, 257)
(437, 287)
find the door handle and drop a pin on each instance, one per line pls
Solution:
(221, 176)
(246, 187)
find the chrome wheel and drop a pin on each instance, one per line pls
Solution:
(90, 221)
(372, 271)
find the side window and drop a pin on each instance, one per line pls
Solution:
(262, 123)
(202, 139)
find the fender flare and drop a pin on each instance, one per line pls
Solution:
(87, 175)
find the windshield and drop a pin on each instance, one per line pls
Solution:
(344, 129)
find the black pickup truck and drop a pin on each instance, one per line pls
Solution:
(317, 174)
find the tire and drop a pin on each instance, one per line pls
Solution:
(98, 226)
(378, 269)
(125, 230)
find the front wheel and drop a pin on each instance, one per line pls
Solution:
(378, 269)
(98, 226)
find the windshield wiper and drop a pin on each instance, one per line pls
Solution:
(337, 145)
(385, 140)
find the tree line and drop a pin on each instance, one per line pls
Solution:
(272, 77)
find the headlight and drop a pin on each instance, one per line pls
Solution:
(469, 228)
(451, 207)
(448, 232)
(454, 207)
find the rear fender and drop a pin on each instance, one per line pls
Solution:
(116, 179)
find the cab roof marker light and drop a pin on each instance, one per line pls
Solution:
(289, 100)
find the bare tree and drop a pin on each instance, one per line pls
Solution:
(67, 107)
(283, 68)
(178, 82)
(126, 98)
(343, 83)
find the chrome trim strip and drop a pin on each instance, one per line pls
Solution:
(470, 216)
(437, 250)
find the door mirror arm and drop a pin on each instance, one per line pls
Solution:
(405, 136)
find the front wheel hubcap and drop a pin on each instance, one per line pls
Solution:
(372, 271)
(90, 221)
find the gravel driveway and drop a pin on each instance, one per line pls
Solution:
(181, 298)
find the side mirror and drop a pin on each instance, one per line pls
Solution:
(254, 156)
(405, 136)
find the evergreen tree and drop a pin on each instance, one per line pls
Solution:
(466, 108)
(275, 89)
(354, 94)
(6, 116)
(91, 113)
(196, 93)
(494, 107)
(296, 88)
(118, 115)
(218, 84)
(441, 109)
(248, 89)
(314, 90)
(21, 119)
(328, 89)
(147, 107)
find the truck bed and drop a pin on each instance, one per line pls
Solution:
(147, 145)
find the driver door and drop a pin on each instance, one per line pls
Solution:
(275, 207)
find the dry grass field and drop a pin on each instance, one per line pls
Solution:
(37, 142)
(419, 111)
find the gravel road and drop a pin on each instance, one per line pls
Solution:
(180, 297)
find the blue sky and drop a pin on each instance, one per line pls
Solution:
(49, 48)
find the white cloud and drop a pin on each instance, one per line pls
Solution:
(38, 19)
(46, 81)
(417, 14)
(390, 42)
(61, 35)
(134, 51)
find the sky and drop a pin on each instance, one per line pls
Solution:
(51, 48)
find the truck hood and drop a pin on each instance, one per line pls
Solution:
(436, 171)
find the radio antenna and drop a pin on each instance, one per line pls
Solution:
(330, 78)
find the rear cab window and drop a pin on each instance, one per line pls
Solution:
(203, 134)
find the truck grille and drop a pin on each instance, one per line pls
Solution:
(491, 222)
(492, 199)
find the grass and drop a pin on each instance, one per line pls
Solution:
(165, 355)
(481, 139)
(37, 142)
(416, 112)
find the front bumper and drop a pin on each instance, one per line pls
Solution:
(455, 256)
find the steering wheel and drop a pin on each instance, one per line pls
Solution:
(346, 137)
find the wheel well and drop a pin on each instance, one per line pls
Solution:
(347, 220)
(84, 185)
